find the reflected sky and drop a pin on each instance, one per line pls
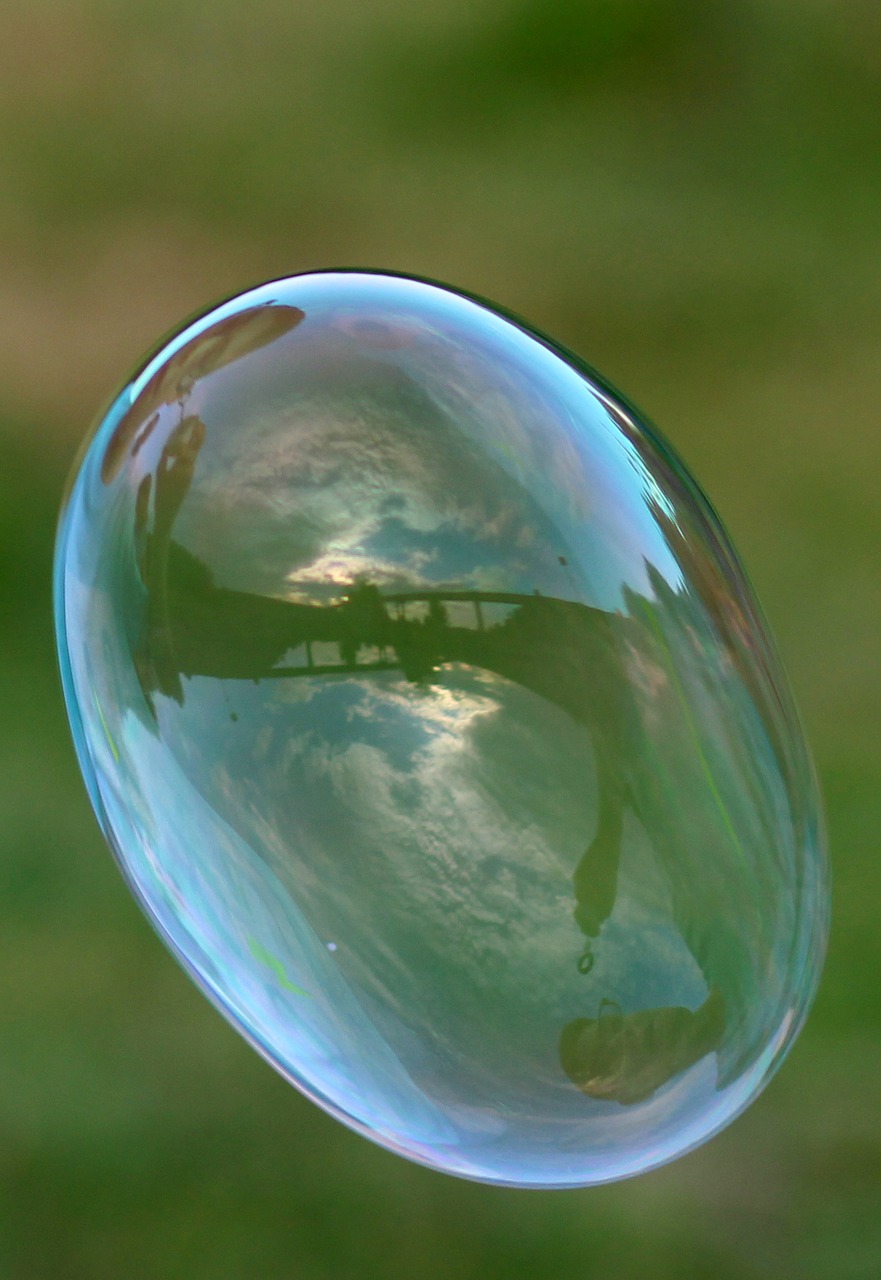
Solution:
(425, 706)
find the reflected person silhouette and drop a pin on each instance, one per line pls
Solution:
(615, 1056)
(219, 345)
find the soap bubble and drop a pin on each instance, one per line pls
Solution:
(432, 721)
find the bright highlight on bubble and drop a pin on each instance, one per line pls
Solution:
(426, 707)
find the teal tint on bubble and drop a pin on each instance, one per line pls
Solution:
(426, 707)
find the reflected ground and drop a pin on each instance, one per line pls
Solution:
(470, 797)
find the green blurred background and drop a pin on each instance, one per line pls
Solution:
(688, 192)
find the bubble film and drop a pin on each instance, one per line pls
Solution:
(432, 721)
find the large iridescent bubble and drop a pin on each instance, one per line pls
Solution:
(426, 707)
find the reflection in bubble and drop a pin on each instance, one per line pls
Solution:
(424, 703)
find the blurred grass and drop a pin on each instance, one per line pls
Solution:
(688, 195)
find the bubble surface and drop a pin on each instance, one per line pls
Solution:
(431, 719)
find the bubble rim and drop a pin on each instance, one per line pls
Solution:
(760, 1074)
